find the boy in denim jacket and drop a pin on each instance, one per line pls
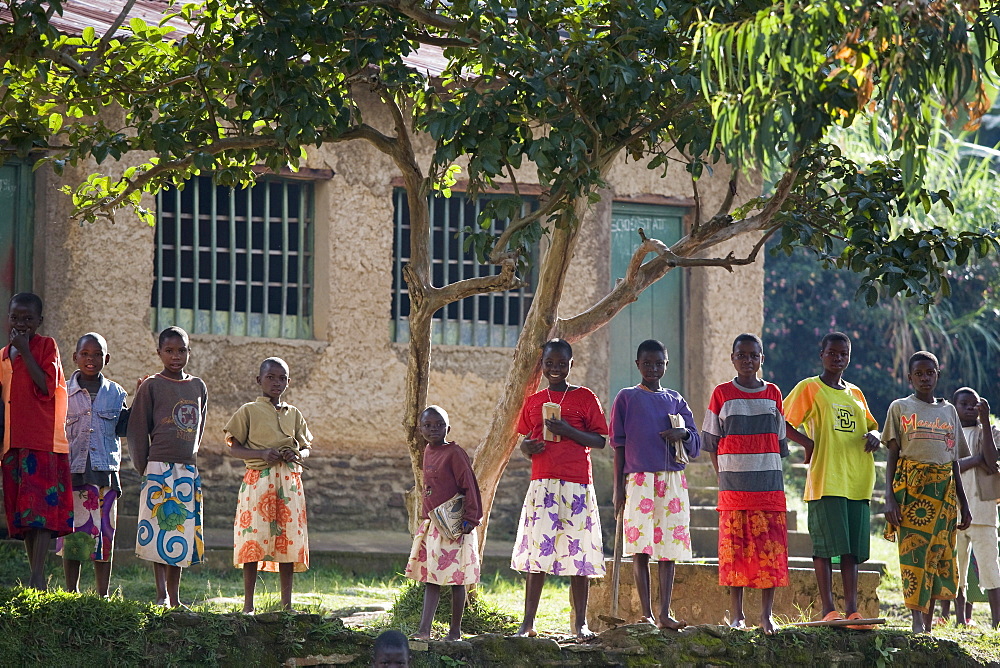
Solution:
(95, 419)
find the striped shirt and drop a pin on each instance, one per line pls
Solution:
(746, 430)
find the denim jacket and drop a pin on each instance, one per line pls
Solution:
(93, 428)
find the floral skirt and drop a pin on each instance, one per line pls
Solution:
(657, 515)
(559, 531)
(37, 492)
(95, 517)
(929, 506)
(270, 526)
(170, 515)
(439, 560)
(753, 548)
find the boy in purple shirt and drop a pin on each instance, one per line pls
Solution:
(650, 487)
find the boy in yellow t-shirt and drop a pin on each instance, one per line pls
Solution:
(841, 439)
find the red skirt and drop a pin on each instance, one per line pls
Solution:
(753, 548)
(37, 492)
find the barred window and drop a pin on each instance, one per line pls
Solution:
(235, 261)
(493, 319)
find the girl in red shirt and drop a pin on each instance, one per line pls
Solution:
(560, 530)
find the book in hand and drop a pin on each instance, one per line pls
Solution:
(448, 516)
(553, 411)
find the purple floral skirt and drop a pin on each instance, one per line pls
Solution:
(559, 531)
(95, 517)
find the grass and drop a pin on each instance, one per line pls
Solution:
(321, 590)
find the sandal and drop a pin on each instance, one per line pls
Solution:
(859, 627)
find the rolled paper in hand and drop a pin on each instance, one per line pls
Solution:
(679, 452)
(553, 411)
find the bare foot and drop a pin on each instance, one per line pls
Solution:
(584, 633)
(419, 635)
(526, 632)
(647, 620)
(918, 627)
(671, 624)
(768, 626)
(161, 601)
(247, 611)
(738, 623)
(453, 636)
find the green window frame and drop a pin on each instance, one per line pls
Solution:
(235, 261)
(483, 320)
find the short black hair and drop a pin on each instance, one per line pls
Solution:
(922, 356)
(559, 344)
(95, 337)
(834, 336)
(170, 333)
(650, 346)
(26, 299)
(277, 361)
(748, 337)
(388, 640)
(960, 391)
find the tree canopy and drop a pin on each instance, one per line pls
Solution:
(567, 86)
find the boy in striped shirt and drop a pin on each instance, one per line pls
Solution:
(744, 430)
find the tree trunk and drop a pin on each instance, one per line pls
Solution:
(522, 379)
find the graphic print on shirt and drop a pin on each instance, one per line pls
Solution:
(843, 418)
(186, 416)
(923, 430)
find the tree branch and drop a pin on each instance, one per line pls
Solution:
(109, 35)
(414, 10)
(444, 42)
(507, 279)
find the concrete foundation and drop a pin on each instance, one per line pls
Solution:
(698, 598)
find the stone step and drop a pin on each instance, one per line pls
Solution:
(708, 516)
(705, 542)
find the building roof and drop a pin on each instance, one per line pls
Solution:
(100, 14)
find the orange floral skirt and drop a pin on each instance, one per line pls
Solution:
(270, 526)
(753, 548)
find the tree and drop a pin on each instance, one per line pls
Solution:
(804, 301)
(567, 86)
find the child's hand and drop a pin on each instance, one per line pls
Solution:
(139, 382)
(892, 514)
(619, 499)
(673, 434)
(559, 427)
(872, 441)
(272, 456)
(984, 412)
(18, 340)
(530, 447)
(966, 518)
(289, 455)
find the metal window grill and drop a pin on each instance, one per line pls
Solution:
(235, 261)
(483, 320)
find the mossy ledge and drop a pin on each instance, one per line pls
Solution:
(71, 630)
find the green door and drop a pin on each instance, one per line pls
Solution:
(658, 313)
(15, 229)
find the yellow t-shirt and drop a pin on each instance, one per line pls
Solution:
(836, 421)
(259, 425)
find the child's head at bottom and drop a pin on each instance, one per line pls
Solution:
(391, 650)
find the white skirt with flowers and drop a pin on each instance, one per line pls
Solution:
(440, 560)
